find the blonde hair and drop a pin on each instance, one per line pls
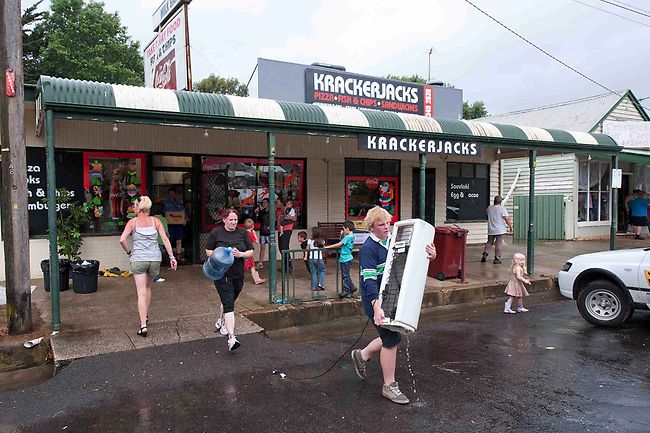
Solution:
(248, 223)
(518, 256)
(144, 203)
(375, 215)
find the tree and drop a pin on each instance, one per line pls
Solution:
(80, 40)
(409, 78)
(474, 111)
(217, 84)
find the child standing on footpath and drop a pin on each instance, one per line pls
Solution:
(515, 287)
(249, 225)
(302, 238)
(316, 263)
(345, 258)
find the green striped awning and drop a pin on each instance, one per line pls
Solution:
(69, 95)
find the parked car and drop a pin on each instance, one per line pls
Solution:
(608, 286)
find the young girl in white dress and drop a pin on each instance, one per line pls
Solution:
(516, 287)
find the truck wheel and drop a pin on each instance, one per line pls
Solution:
(603, 303)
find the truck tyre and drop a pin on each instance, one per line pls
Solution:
(603, 303)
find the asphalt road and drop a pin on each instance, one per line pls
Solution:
(543, 371)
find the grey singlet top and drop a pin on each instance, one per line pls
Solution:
(145, 244)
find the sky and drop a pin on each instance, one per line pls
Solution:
(381, 37)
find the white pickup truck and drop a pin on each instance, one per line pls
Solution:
(609, 285)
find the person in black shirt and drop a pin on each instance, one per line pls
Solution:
(230, 286)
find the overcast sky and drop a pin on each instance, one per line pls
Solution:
(380, 37)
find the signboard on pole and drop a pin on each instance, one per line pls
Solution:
(165, 60)
(631, 134)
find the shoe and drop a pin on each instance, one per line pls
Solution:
(142, 332)
(393, 393)
(260, 265)
(522, 310)
(221, 328)
(321, 287)
(262, 281)
(359, 364)
(233, 343)
(484, 258)
(354, 289)
(160, 280)
(496, 261)
(343, 295)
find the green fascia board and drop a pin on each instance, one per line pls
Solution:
(75, 92)
(304, 113)
(511, 131)
(455, 127)
(383, 120)
(209, 104)
(631, 156)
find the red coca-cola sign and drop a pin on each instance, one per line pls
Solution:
(164, 77)
(10, 82)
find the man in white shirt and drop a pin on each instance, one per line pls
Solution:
(499, 223)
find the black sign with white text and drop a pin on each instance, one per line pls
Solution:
(352, 90)
(437, 146)
(467, 198)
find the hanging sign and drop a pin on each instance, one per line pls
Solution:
(165, 61)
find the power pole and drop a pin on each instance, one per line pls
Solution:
(15, 227)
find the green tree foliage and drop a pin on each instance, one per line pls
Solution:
(409, 78)
(474, 111)
(217, 84)
(80, 40)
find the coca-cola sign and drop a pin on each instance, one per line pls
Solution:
(165, 63)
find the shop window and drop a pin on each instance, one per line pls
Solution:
(242, 183)
(112, 182)
(468, 191)
(366, 192)
(593, 191)
(369, 183)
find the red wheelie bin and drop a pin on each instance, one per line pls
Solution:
(450, 245)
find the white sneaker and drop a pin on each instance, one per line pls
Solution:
(160, 280)
(221, 328)
(233, 343)
(509, 311)
(522, 310)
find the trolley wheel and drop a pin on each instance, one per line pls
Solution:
(441, 276)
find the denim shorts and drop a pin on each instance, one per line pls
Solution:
(150, 268)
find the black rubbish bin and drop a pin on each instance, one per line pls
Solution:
(85, 276)
(64, 274)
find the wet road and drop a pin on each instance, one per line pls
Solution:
(543, 371)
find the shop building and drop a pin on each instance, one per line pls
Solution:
(574, 192)
(111, 142)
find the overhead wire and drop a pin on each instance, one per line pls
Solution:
(611, 13)
(632, 6)
(640, 11)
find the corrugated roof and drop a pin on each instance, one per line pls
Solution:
(579, 115)
(133, 102)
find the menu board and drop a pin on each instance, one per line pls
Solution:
(467, 198)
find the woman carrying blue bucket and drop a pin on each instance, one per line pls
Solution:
(231, 246)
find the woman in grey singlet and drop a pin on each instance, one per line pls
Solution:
(145, 254)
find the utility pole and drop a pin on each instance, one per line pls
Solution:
(429, 77)
(15, 227)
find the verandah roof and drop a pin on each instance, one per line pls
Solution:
(101, 101)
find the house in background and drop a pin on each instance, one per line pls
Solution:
(573, 192)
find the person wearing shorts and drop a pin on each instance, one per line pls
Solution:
(639, 213)
(372, 259)
(145, 255)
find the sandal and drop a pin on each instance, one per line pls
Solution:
(142, 332)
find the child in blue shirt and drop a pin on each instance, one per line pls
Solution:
(345, 258)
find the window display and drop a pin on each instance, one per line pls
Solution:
(365, 192)
(112, 182)
(244, 182)
(593, 191)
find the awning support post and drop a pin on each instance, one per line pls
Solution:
(51, 221)
(614, 209)
(270, 142)
(423, 166)
(530, 256)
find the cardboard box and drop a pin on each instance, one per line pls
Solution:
(177, 217)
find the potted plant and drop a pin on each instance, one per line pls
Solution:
(70, 219)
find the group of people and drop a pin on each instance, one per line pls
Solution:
(145, 257)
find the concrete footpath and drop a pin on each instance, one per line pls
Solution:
(185, 306)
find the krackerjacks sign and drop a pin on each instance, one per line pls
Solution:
(341, 88)
(440, 146)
